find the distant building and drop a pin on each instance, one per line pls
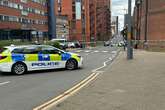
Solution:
(103, 22)
(89, 20)
(83, 20)
(126, 19)
(114, 25)
(62, 27)
(23, 19)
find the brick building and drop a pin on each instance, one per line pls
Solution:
(103, 22)
(88, 20)
(68, 8)
(94, 23)
(23, 19)
(149, 24)
(62, 27)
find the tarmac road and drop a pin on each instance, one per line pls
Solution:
(30, 90)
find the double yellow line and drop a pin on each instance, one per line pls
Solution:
(68, 93)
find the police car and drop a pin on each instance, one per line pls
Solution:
(20, 59)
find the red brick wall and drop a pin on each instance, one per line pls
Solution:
(9, 11)
(156, 22)
(90, 18)
(67, 8)
(103, 19)
(156, 26)
(15, 12)
(156, 4)
(78, 30)
(87, 19)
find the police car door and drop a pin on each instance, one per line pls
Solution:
(31, 57)
(49, 58)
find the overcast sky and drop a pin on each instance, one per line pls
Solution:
(119, 8)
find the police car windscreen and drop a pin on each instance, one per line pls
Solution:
(2, 50)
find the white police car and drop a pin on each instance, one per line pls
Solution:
(20, 59)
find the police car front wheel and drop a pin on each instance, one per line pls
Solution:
(71, 64)
(19, 68)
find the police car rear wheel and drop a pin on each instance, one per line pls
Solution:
(19, 68)
(71, 64)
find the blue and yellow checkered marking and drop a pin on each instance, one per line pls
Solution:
(66, 56)
(40, 57)
(18, 57)
(43, 57)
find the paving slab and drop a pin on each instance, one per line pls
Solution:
(137, 84)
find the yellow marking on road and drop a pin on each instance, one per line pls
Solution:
(68, 93)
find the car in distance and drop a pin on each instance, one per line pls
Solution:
(20, 59)
(121, 43)
(106, 43)
(62, 42)
(71, 45)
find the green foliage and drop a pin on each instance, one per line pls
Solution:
(9, 42)
(54, 44)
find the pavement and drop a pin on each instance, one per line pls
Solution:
(137, 84)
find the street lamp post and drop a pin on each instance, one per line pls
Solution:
(129, 42)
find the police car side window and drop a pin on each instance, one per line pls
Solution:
(26, 50)
(18, 51)
(43, 52)
(30, 51)
(49, 51)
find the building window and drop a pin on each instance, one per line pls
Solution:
(25, 13)
(5, 3)
(6, 18)
(22, 20)
(22, 7)
(1, 18)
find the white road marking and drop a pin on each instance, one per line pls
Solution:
(114, 52)
(96, 51)
(118, 91)
(87, 51)
(104, 65)
(104, 51)
(3, 83)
